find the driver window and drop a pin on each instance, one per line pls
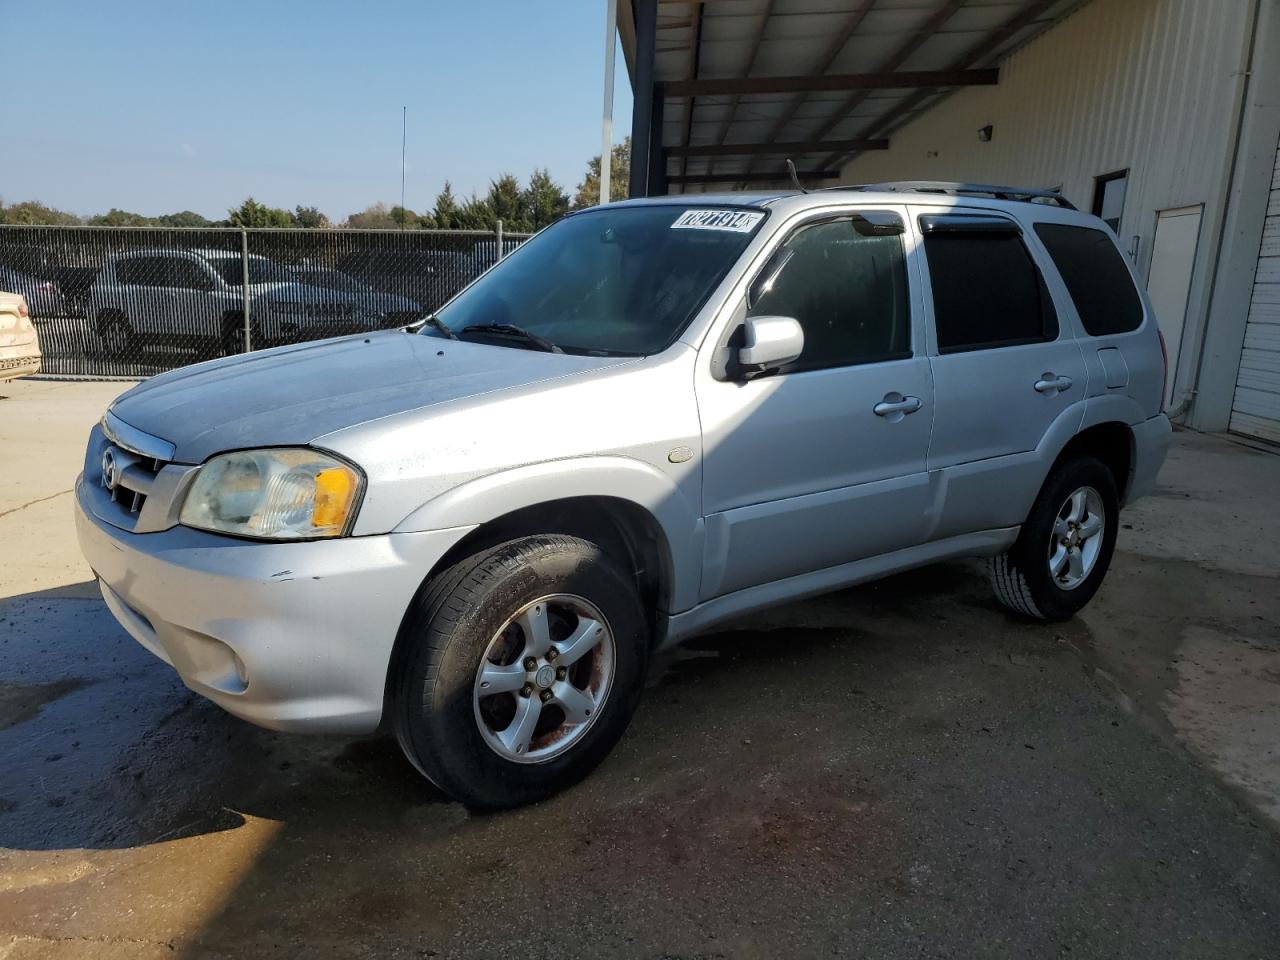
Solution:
(845, 281)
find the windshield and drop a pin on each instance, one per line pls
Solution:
(261, 270)
(620, 280)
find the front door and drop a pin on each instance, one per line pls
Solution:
(196, 313)
(823, 461)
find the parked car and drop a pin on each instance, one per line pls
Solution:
(652, 417)
(393, 309)
(19, 344)
(428, 277)
(43, 297)
(196, 298)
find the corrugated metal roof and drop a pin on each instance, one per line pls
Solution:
(773, 38)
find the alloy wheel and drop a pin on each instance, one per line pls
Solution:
(1077, 538)
(544, 678)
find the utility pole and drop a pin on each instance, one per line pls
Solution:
(404, 129)
(606, 132)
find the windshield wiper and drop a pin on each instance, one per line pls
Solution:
(511, 330)
(434, 322)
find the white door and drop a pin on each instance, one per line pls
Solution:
(1172, 260)
(1256, 408)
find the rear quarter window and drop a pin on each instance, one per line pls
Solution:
(1096, 276)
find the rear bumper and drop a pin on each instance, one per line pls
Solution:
(1151, 439)
(290, 636)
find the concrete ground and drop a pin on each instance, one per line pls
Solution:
(899, 770)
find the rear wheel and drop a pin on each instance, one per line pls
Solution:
(1065, 546)
(519, 670)
(118, 338)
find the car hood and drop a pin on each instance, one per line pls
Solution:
(291, 395)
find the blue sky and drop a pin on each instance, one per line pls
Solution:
(163, 106)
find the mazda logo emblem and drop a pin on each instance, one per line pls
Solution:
(110, 470)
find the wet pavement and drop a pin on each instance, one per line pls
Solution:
(898, 770)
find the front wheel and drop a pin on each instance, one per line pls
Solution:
(1065, 546)
(519, 669)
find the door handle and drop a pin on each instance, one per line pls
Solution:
(904, 405)
(1048, 383)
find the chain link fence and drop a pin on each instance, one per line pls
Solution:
(134, 301)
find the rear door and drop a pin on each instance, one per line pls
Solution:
(1006, 369)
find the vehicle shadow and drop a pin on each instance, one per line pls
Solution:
(104, 748)
(849, 763)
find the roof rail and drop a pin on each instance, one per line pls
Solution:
(949, 188)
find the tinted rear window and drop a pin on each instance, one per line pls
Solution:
(987, 292)
(1096, 277)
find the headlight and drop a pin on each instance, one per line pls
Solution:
(283, 494)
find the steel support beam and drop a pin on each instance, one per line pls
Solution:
(886, 80)
(786, 148)
(763, 177)
(646, 31)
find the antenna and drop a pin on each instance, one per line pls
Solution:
(795, 177)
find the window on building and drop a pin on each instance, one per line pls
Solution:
(1108, 197)
(845, 281)
(987, 291)
(1096, 277)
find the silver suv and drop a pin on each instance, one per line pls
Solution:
(653, 417)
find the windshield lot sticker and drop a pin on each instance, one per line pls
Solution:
(737, 221)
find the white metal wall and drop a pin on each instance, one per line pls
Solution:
(1256, 409)
(1152, 86)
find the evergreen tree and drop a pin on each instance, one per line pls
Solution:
(251, 213)
(545, 200)
(588, 194)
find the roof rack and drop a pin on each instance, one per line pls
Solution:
(949, 188)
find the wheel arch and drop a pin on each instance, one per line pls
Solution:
(1110, 441)
(628, 532)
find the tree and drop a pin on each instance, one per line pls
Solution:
(251, 213)
(476, 214)
(507, 201)
(35, 212)
(588, 194)
(445, 215)
(404, 218)
(309, 217)
(375, 217)
(184, 218)
(120, 218)
(545, 201)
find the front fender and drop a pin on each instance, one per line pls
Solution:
(486, 498)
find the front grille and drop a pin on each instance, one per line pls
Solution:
(130, 478)
(127, 477)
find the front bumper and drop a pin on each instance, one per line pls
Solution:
(290, 636)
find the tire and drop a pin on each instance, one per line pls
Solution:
(1023, 578)
(480, 616)
(231, 336)
(118, 338)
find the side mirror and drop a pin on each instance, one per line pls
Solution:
(769, 343)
